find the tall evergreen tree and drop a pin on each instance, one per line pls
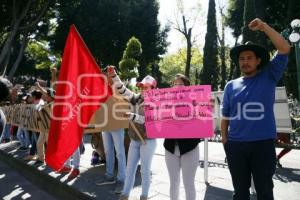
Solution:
(222, 51)
(249, 15)
(260, 7)
(235, 21)
(129, 63)
(234, 18)
(210, 70)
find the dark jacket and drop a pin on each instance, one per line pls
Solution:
(185, 145)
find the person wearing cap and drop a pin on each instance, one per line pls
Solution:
(248, 123)
(138, 151)
(182, 155)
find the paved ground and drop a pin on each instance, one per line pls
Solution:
(15, 186)
(286, 180)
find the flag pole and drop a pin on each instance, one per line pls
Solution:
(137, 132)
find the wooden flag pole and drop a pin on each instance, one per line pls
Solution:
(137, 132)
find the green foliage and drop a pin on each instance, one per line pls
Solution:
(144, 24)
(234, 17)
(210, 71)
(28, 24)
(106, 25)
(249, 15)
(38, 52)
(133, 48)
(129, 63)
(173, 64)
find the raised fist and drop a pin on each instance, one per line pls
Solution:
(256, 25)
(111, 71)
(37, 84)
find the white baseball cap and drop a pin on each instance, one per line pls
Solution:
(148, 80)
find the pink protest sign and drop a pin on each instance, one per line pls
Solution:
(181, 112)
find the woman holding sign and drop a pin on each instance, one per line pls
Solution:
(182, 154)
(141, 148)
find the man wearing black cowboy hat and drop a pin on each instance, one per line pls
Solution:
(248, 124)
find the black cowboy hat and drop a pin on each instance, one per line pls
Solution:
(259, 51)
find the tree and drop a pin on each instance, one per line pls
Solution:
(107, 25)
(234, 18)
(173, 64)
(291, 72)
(249, 15)
(210, 70)
(129, 63)
(222, 50)
(21, 17)
(260, 7)
(187, 33)
(144, 24)
(104, 31)
(185, 21)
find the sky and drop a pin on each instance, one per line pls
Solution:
(167, 14)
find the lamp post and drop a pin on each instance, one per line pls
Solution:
(295, 39)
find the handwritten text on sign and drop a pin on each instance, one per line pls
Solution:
(181, 112)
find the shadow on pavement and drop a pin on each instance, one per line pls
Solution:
(216, 193)
(287, 175)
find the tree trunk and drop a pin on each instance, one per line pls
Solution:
(196, 77)
(188, 53)
(16, 21)
(222, 52)
(232, 65)
(8, 43)
(7, 59)
(19, 58)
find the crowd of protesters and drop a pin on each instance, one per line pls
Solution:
(181, 154)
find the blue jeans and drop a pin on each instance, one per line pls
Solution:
(114, 140)
(33, 139)
(75, 159)
(23, 137)
(6, 133)
(138, 151)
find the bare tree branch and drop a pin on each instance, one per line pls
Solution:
(181, 31)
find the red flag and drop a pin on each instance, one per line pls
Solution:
(79, 91)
